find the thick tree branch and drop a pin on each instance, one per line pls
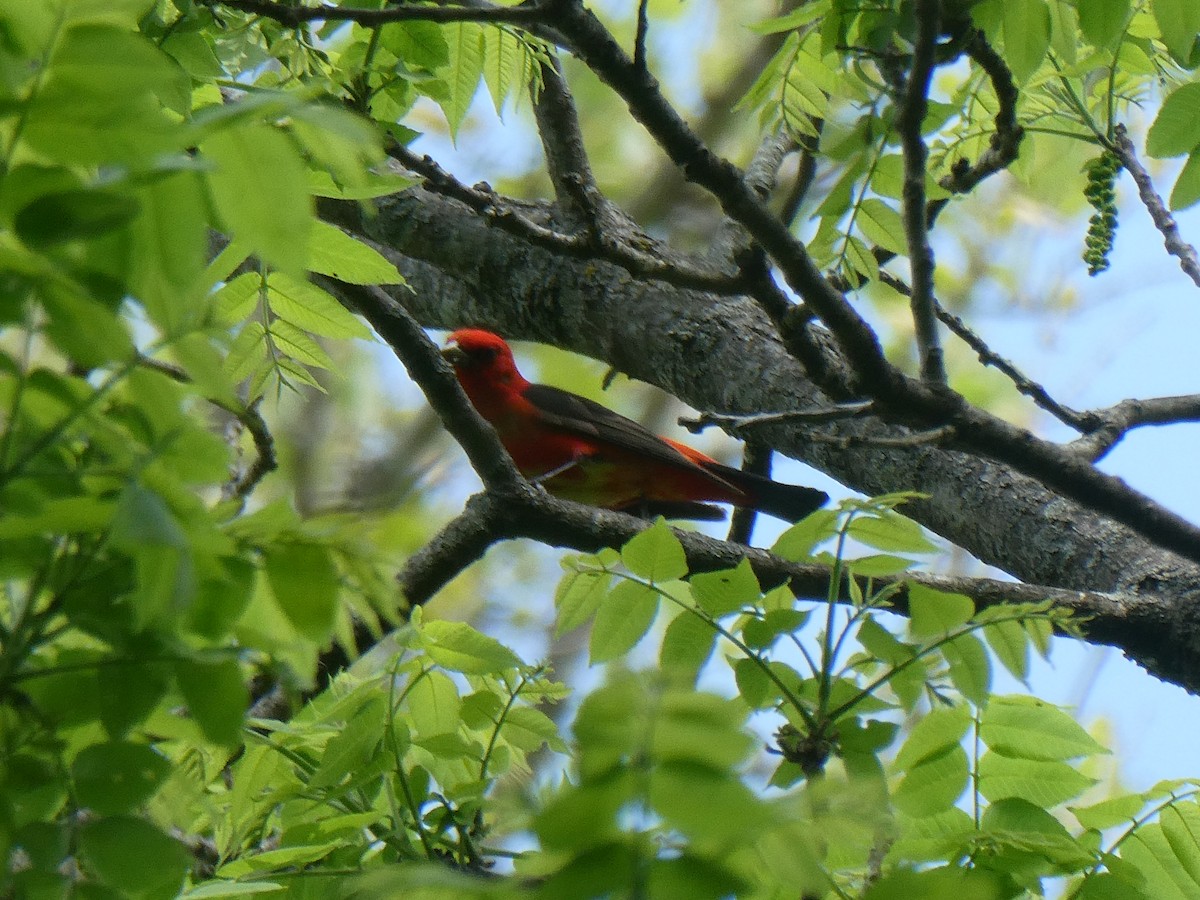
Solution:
(524, 512)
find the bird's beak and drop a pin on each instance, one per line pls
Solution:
(453, 354)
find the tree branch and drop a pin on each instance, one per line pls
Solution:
(435, 378)
(909, 122)
(294, 16)
(516, 219)
(1106, 427)
(1163, 220)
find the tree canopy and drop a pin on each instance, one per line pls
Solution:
(246, 633)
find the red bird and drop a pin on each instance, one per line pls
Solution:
(579, 450)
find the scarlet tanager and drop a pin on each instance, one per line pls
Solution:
(579, 450)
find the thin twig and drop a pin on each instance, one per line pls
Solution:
(1005, 144)
(989, 357)
(926, 438)
(643, 29)
(733, 422)
(915, 154)
(506, 215)
(1163, 220)
(248, 417)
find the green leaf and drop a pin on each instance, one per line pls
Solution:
(882, 644)
(272, 860)
(306, 586)
(933, 734)
(695, 878)
(1187, 186)
(118, 776)
(68, 515)
(1045, 783)
(143, 518)
(237, 299)
(1166, 878)
(299, 346)
(128, 693)
(705, 804)
(1102, 21)
(1181, 827)
(624, 617)
(1176, 129)
(465, 43)
(169, 246)
(934, 784)
(888, 530)
(1028, 728)
(754, 684)
(64, 216)
(503, 62)
(1010, 643)
(86, 330)
(726, 591)
(134, 856)
(655, 554)
(1030, 828)
(334, 253)
(260, 189)
(881, 225)
(943, 883)
(1119, 810)
(102, 98)
(309, 308)
(879, 564)
(218, 888)
(1026, 36)
(215, 696)
(701, 728)
(459, 647)
(935, 613)
(687, 645)
(970, 667)
(417, 43)
(577, 598)
(434, 705)
(354, 745)
(759, 633)
(529, 729)
(798, 542)
(1178, 22)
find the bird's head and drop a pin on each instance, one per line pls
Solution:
(475, 352)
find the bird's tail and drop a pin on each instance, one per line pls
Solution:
(790, 502)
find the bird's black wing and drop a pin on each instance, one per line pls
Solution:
(586, 417)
